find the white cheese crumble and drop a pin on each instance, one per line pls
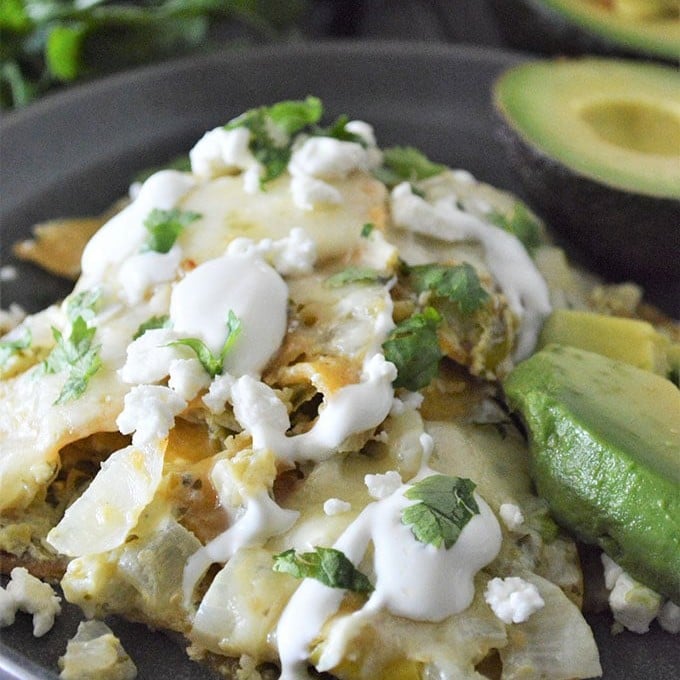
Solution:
(222, 151)
(11, 318)
(669, 617)
(292, 255)
(309, 192)
(8, 273)
(512, 516)
(512, 599)
(149, 411)
(336, 506)
(188, 378)
(382, 485)
(26, 593)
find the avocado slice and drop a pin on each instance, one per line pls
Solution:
(634, 341)
(648, 28)
(596, 144)
(604, 438)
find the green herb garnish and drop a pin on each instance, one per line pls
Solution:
(84, 304)
(328, 565)
(406, 164)
(446, 506)
(8, 348)
(164, 227)
(367, 229)
(213, 363)
(338, 130)
(162, 321)
(458, 283)
(355, 275)
(521, 224)
(290, 117)
(77, 355)
(413, 347)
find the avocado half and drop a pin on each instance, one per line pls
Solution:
(596, 145)
(648, 28)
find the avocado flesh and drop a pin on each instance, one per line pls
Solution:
(633, 341)
(605, 454)
(616, 122)
(639, 27)
(592, 141)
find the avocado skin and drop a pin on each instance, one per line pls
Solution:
(620, 234)
(533, 26)
(611, 479)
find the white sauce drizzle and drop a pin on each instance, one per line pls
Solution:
(249, 287)
(509, 262)
(412, 579)
(124, 233)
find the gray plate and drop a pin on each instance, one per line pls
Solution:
(74, 153)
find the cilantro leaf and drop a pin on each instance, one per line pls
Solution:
(293, 116)
(83, 304)
(213, 363)
(446, 506)
(76, 354)
(355, 275)
(367, 229)
(458, 283)
(290, 117)
(406, 164)
(521, 224)
(338, 130)
(164, 226)
(413, 347)
(328, 565)
(9, 348)
(162, 321)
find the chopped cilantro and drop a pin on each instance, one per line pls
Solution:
(406, 164)
(367, 229)
(446, 506)
(355, 275)
(76, 354)
(338, 130)
(164, 226)
(458, 283)
(213, 363)
(328, 565)
(83, 304)
(413, 347)
(9, 348)
(162, 321)
(521, 224)
(290, 117)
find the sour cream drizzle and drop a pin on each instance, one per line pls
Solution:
(124, 233)
(508, 260)
(412, 579)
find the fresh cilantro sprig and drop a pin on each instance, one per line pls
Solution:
(161, 321)
(446, 504)
(367, 229)
(213, 363)
(165, 226)
(521, 224)
(76, 354)
(413, 347)
(290, 117)
(355, 275)
(8, 348)
(338, 130)
(328, 565)
(48, 42)
(458, 283)
(406, 164)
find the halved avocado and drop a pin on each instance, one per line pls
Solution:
(611, 27)
(596, 143)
